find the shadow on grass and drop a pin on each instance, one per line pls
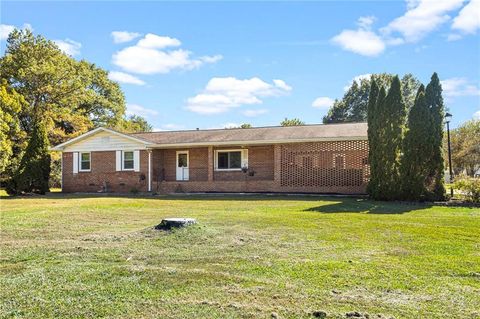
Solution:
(337, 204)
(352, 205)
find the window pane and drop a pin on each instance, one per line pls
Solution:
(85, 165)
(128, 164)
(222, 160)
(84, 161)
(235, 160)
(128, 156)
(182, 160)
(127, 160)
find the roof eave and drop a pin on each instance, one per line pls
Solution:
(61, 147)
(264, 142)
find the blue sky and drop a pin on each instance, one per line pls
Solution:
(215, 64)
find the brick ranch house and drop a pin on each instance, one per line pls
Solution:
(328, 158)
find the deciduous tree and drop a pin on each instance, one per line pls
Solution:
(292, 122)
(354, 103)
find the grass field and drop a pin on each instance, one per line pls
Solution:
(249, 257)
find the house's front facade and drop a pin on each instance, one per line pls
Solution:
(302, 159)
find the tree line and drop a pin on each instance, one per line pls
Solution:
(46, 98)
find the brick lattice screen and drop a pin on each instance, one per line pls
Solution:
(341, 163)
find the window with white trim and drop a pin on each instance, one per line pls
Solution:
(128, 160)
(229, 160)
(85, 161)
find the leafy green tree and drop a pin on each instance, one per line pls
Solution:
(34, 169)
(417, 150)
(11, 138)
(434, 100)
(353, 106)
(71, 96)
(465, 144)
(246, 125)
(292, 122)
(133, 124)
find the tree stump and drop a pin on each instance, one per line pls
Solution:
(169, 223)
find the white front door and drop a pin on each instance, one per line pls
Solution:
(182, 165)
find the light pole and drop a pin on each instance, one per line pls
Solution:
(448, 116)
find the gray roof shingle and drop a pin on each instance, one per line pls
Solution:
(259, 134)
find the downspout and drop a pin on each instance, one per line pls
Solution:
(149, 170)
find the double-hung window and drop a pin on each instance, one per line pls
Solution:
(128, 160)
(229, 160)
(85, 161)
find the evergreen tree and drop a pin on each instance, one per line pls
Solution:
(34, 169)
(372, 136)
(376, 106)
(417, 150)
(434, 100)
(395, 113)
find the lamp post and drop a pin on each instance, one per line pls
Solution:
(448, 117)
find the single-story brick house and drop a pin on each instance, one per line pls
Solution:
(331, 158)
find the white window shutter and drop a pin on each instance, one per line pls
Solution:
(118, 160)
(136, 161)
(245, 158)
(75, 162)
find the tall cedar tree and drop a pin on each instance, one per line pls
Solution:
(376, 141)
(395, 113)
(34, 170)
(417, 150)
(373, 131)
(434, 100)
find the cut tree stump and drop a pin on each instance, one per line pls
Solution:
(169, 223)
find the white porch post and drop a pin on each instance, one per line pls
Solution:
(149, 170)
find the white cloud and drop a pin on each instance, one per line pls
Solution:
(68, 46)
(6, 29)
(362, 40)
(222, 94)
(135, 109)
(459, 86)
(323, 102)
(468, 20)
(366, 22)
(153, 41)
(124, 36)
(124, 78)
(149, 56)
(357, 79)
(476, 115)
(253, 113)
(421, 18)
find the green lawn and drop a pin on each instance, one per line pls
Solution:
(249, 257)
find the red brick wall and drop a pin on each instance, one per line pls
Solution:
(294, 167)
(103, 170)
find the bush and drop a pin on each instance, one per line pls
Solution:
(470, 187)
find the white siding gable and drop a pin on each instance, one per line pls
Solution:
(104, 141)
